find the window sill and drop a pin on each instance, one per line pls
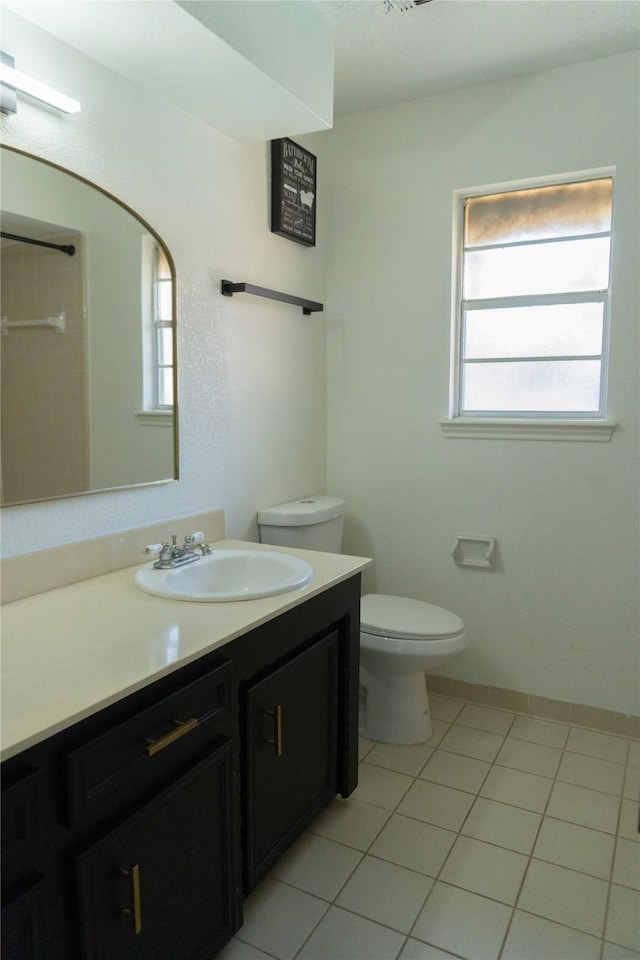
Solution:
(155, 418)
(477, 428)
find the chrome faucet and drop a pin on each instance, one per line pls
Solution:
(170, 555)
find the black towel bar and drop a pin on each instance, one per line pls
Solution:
(228, 289)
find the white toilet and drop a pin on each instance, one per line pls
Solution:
(400, 639)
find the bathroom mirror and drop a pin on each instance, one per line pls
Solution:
(87, 345)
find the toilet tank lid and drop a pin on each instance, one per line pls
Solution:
(388, 616)
(302, 513)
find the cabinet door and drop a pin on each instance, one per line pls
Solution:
(163, 884)
(290, 755)
(24, 933)
(24, 926)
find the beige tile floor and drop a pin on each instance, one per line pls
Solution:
(503, 838)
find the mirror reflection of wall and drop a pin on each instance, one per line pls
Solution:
(44, 363)
(80, 409)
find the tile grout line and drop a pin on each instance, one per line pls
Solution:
(458, 832)
(616, 836)
(526, 869)
(530, 857)
(613, 858)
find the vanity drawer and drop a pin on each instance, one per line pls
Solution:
(136, 756)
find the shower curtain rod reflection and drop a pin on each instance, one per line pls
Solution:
(67, 248)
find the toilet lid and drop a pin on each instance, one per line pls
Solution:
(386, 616)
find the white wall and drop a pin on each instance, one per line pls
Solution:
(559, 618)
(251, 372)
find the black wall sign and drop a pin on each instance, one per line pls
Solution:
(293, 192)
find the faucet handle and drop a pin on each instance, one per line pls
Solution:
(153, 548)
(194, 538)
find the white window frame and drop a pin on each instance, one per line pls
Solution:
(159, 325)
(152, 413)
(521, 425)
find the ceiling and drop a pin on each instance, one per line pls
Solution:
(384, 58)
(384, 54)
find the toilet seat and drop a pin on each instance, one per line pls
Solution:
(405, 619)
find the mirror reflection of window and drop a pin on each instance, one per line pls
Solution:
(158, 374)
(163, 325)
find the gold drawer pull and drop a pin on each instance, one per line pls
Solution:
(181, 728)
(134, 911)
(276, 713)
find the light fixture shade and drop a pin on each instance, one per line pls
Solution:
(12, 79)
(8, 98)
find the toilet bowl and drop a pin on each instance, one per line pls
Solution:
(400, 641)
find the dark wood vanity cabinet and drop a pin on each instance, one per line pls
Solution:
(126, 825)
(136, 833)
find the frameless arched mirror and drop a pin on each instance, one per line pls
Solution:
(87, 339)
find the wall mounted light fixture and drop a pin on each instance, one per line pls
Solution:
(13, 82)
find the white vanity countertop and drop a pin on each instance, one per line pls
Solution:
(70, 652)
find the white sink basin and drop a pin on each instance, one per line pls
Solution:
(227, 575)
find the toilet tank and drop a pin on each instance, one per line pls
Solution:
(314, 523)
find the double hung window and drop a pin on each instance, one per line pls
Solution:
(163, 331)
(157, 334)
(532, 294)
